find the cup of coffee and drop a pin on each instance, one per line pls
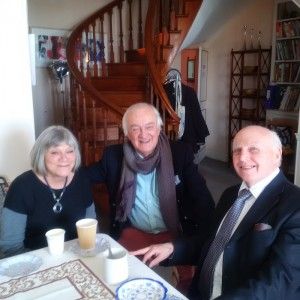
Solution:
(86, 231)
(115, 266)
(55, 239)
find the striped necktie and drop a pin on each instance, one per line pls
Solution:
(218, 244)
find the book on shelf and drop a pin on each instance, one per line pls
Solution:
(290, 98)
(276, 94)
(297, 27)
(296, 78)
(288, 49)
(279, 31)
(287, 72)
(288, 29)
(297, 105)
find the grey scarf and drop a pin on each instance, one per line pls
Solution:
(161, 159)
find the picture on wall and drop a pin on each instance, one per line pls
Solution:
(50, 45)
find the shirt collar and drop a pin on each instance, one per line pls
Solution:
(257, 188)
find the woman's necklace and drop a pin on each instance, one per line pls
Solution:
(57, 207)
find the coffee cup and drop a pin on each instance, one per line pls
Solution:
(115, 266)
(55, 239)
(86, 231)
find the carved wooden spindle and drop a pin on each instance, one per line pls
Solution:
(102, 57)
(160, 14)
(172, 21)
(111, 40)
(84, 117)
(105, 119)
(140, 28)
(78, 122)
(86, 58)
(181, 7)
(94, 58)
(94, 129)
(130, 39)
(121, 48)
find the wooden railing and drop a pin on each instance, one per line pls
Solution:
(105, 38)
(153, 44)
(91, 47)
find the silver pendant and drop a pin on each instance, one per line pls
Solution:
(57, 208)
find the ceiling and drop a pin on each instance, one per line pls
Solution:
(211, 16)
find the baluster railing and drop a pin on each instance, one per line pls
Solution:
(101, 39)
(140, 29)
(121, 47)
(153, 41)
(130, 39)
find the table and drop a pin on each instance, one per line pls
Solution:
(71, 276)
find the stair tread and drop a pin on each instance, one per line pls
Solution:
(175, 31)
(122, 92)
(181, 15)
(168, 46)
(127, 63)
(118, 76)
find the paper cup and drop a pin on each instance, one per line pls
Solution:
(115, 269)
(55, 239)
(86, 231)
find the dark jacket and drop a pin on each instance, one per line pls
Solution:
(195, 204)
(257, 263)
(195, 128)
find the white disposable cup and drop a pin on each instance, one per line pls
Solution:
(86, 231)
(55, 239)
(115, 269)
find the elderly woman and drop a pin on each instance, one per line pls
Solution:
(55, 193)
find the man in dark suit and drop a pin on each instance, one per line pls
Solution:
(154, 187)
(261, 257)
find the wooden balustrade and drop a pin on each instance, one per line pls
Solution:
(106, 38)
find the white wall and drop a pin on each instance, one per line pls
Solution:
(47, 98)
(16, 109)
(64, 14)
(258, 13)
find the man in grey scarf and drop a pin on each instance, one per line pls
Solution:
(155, 190)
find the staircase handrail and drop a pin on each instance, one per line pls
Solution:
(154, 72)
(70, 51)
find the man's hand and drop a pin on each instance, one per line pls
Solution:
(154, 254)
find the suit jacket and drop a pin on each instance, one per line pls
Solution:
(195, 204)
(262, 258)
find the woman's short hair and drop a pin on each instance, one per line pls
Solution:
(136, 106)
(52, 136)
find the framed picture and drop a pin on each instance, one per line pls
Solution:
(50, 45)
(203, 65)
(190, 69)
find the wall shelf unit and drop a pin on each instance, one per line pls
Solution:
(249, 78)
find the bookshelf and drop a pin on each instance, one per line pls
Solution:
(249, 78)
(285, 69)
(284, 92)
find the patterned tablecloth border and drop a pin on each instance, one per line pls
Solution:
(88, 285)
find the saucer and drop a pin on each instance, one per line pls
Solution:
(20, 265)
(141, 289)
(100, 246)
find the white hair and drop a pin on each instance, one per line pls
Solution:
(136, 106)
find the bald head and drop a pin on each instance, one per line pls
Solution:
(256, 153)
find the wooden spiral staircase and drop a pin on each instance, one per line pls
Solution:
(112, 68)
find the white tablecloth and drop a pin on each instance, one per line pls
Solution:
(71, 276)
